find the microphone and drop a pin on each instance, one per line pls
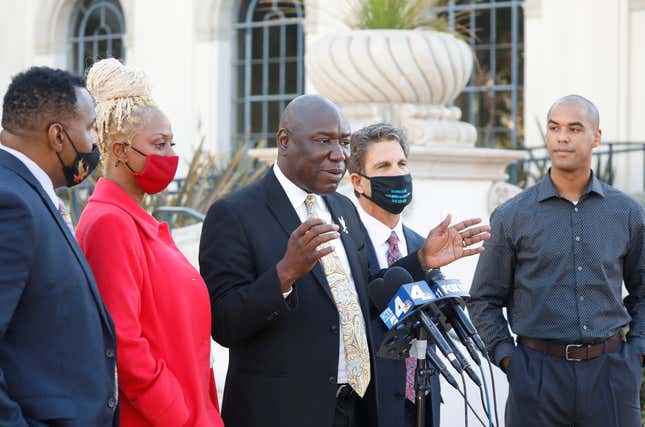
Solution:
(400, 296)
(376, 293)
(445, 287)
(466, 341)
(441, 367)
(410, 298)
(460, 357)
(440, 341)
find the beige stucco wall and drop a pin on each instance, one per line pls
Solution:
(593, 48)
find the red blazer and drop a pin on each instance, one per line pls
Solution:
(161, 309)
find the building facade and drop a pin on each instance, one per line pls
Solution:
(224, 69)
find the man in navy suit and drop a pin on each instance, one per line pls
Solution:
(57, 343)
(274, 256)
(383, 186)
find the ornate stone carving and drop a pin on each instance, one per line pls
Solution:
(390, 66)
(499, 193)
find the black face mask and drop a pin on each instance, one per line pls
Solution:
(83, 164)
(392, 193)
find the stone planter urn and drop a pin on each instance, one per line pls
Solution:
(404, 76)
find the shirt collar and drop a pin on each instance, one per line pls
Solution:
(43, 179)
(295, 194)
(547, 190)
(379, 232)
(107, 191)
(595, 186)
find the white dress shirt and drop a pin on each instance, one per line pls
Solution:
(43, 179)
(297, 196)
(379, 233)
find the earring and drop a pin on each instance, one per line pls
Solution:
(117, 163)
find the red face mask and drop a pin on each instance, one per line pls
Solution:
(158, 172)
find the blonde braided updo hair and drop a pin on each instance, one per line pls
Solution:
(122, 95)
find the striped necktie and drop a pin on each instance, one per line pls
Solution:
(393, 255)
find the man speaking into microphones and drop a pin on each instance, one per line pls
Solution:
(383, 186)
(285, 264)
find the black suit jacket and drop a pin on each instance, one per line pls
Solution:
(391, 373)
(57, 343)
(283, 357)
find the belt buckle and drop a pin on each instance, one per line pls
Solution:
(566, 352)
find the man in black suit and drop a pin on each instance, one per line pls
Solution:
(57, 343)
(286, 267)
(383, 186)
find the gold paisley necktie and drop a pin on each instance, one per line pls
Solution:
(357, 355)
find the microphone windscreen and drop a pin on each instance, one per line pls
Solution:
(394, 278)
(397, 275)
(376, 292)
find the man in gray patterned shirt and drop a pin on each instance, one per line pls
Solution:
(558, 256)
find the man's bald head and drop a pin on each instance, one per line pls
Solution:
(303, 110)
(313, 144)
(579, 101)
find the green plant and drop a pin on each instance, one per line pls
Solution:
(209, 177)
(401, 15)
(392, 14)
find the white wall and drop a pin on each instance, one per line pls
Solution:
(175, 42)
(635, 167)
(592, 48)
(16, 45)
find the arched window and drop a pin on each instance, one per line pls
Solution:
(96, 32)
(268, 66)
(493, 99)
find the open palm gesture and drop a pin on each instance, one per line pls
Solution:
(446, 243)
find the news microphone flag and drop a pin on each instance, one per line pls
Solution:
(416, 294)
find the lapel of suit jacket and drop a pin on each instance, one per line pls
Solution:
(19, 168)
(360, 281)
(280, 206)
(374, 266)
(413, 241)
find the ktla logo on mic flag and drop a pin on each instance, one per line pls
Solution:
(406, 298)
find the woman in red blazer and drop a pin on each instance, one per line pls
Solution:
(158, 301)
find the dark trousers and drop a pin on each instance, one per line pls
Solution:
(353, 411)
(547, 391)
(349, 409)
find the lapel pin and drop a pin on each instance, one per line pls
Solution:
(341, 221)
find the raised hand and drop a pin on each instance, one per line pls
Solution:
(303, 250)
(446, 243)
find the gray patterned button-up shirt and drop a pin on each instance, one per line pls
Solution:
(558, 268)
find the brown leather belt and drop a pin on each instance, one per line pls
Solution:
(572, 352)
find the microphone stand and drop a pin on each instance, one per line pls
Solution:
(422, 373)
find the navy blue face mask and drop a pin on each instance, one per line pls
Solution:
(392, 193)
